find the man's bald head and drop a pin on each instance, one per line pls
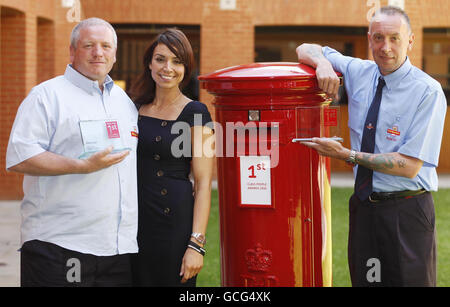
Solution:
(390, 11)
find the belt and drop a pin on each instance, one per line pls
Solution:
(379, 196)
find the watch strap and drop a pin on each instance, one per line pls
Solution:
(199, 237)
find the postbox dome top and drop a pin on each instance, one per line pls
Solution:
(277, 78)
(262, 71)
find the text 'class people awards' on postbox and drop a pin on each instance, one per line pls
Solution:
(274, 192)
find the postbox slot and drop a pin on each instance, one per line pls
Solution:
(257, 131)
(256, 140)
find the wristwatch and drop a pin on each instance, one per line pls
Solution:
(352, 158)
(199, 237)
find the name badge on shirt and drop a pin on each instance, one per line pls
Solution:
(393, 132)
(98, 135)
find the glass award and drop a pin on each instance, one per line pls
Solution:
(98, 135)
(317, 121)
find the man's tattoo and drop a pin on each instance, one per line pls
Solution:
(401, 163)
(379, 162)
(314, 52)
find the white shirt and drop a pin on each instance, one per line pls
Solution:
(90, 213)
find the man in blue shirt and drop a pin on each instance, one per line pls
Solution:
(79, 216)
(396, 119)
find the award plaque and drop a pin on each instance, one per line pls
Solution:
(317, 121)
(98, 135)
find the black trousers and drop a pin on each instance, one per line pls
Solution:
(45, 264)
(392, 242)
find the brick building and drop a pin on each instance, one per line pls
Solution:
(34, 37)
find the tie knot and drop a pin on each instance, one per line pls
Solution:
(381, 82)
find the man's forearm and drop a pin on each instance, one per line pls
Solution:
(48, 164)
(390, 163)
(310, 54)
(327, 80)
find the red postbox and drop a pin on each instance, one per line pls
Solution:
(274, 193)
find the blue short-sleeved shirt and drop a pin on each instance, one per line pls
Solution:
(410, 121)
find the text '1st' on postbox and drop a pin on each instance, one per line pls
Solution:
(274, 192)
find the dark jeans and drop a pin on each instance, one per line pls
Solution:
(392, 242)
(45, 264)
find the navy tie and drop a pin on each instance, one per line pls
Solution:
(363, 182)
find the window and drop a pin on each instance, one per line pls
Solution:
(133, 41)
(278, 43)
(436, 56)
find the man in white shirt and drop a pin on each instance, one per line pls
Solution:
(79, 216)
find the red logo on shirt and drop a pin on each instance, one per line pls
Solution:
(113, 130)
(370, 126)
(394, 131)
(134, 133)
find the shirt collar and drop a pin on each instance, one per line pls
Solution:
(86, 84)
(393, 79)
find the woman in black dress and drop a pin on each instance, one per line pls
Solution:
(172, 215)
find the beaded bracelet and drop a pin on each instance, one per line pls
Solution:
(197, 248)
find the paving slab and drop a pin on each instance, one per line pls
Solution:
(9, 243)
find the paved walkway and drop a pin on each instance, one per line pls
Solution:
(9, 243)
(10, 230)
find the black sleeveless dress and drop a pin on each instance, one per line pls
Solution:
(165, 194)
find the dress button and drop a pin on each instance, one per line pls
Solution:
(163, 124)
(159, 173)
(157, 157)
(163, 192)
(158, 138)
(167, 211)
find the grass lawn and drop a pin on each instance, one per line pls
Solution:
(210, 274)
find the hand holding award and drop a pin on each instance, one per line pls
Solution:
(100, 134)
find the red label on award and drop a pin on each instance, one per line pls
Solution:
(330, 117)
(113, 130)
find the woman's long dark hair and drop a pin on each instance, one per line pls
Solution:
(143, 90)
